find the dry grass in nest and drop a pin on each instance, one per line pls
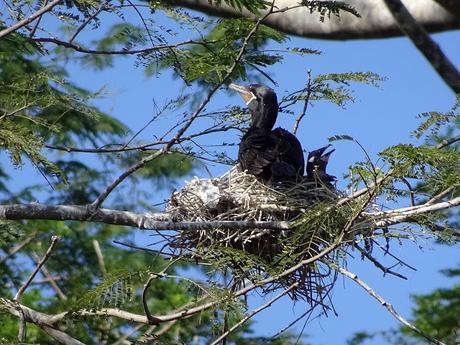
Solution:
(254, 254)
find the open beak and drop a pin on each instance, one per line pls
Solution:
(244, 92)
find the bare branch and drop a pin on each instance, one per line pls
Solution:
(87, 21)
(61, 336)
(29, 19)
(147, 221)
(308, 89)
(100, 257)
(84, 50)
(420, 38)
(399, 216)
(49, 277)
(387, 305)
(163, 221)
(384, 269)
(441, 195)
(45, 321)
(254, 312)
(23, 288)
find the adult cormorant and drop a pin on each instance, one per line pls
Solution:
(271, 155)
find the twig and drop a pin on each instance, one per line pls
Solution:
(384, 269)
(49, 277)
(87, 21)
(17, 247)
(84, 50)
(424, 44)
(292, 323)
(123, 338)
(100, 257)
(254, 312)
(151, 319)
(387, 305)
(305, 104)
(54, 240)
(29, 19)
(32, 33)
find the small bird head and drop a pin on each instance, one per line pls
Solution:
(262, 103)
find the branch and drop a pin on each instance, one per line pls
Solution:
(308, 89)
(388, 175)
(164, 221)
(100, 257)
(147, 221)
(23, 288)
(30, 19)
(387, 305)
(404, 214)
(420, 38)
(254, 312)
(447, 142)
(84, 50)
(49, 278)
(45, 321)
(376, 21)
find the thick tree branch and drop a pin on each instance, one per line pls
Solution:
(164, 221)
(375, 21)
(45, 321)
(148, 221)
(425, 44)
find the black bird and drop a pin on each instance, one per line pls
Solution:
(316, 165)
(271, 155)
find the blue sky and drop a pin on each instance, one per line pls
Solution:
(380, 117)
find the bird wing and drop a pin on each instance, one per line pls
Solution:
(289, 149)
(257, 152)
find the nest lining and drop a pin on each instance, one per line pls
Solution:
(255, 254)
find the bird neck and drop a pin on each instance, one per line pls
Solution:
(264, 119)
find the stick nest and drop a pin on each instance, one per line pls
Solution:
(255, 254)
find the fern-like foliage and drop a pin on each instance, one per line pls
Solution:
(438, 169)
(116, 290)
(434, 121)
(209, 62)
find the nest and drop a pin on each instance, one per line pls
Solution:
(255, 254)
